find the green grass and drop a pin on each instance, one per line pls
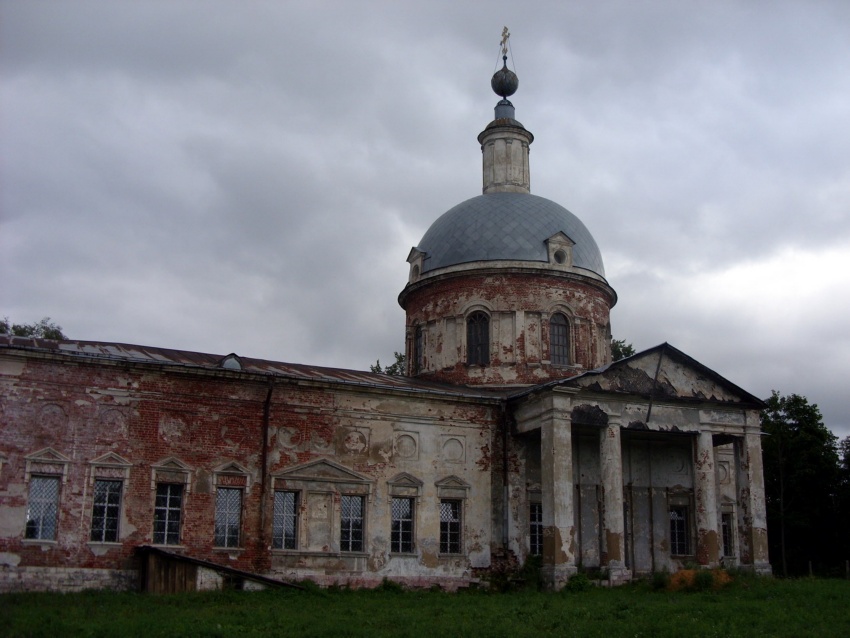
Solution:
(750, 607)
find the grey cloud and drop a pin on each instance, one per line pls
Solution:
(249, 178)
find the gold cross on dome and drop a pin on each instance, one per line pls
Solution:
(504, 43)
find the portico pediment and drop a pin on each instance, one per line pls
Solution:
(664, 372)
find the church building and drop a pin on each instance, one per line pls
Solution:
(512, 435)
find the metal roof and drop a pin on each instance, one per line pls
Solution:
(120, 352)
(506, 226)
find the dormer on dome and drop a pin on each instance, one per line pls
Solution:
(560, 249)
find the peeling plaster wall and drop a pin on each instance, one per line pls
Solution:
(211, 427)
(519, 306)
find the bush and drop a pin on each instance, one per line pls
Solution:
(579, 582)
(703, 580)
(699, 580)
(660, 580)
(390, 586)
(532, 573)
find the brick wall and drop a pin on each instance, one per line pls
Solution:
(208, 426)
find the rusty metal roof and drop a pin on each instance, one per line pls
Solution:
(122, 352)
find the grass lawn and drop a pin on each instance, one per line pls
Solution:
(749, 607)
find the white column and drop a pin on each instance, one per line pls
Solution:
(613, 524)
(705, 494)
(557, 492)
(752, 500)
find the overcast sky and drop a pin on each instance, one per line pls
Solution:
(249, 176)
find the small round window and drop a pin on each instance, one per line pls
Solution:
(560, 257)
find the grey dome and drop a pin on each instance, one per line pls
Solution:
(505, 226)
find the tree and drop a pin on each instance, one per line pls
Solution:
(801, 473)
(44, 329)
(843, 513)
(395, 369)
(620, 349)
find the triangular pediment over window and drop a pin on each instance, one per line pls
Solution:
(322, 470)
(405, 480)
(231, 468)
(452, 482)
(47, 461)
(452, 487)
(48, 455)
(172, 464)
(664, 373)
(111, 459)
(405, 484)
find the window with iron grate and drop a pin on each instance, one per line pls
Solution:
(228, 516)
(43, 508)
(450, 527)
(351, 523)
(106, 511)
(401, 533)
(285, 520)
(679, 531)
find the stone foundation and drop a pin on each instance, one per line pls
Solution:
(65, 579)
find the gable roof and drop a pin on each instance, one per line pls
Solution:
(167, 358)
(663, 373)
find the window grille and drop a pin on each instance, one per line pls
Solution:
(726, 531)
(106, 511)
(559, 340)
(351, 530)
(450, 536)
(43, 508)
(535, 532)
(679, 536)
(478, 339)
(401, 534)
(285, 520)
(228, 516)
(167, 512)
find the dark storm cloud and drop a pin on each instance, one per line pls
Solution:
(250, 177)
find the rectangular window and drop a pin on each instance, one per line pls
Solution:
(167, 512)
(559, 340)
(418, 350)
(106, 511)
(679, 535)
(351, 524)
(726, 530)
(43, 508)
(535, 532)
(285, 520)
(228, 516)
(478, 339)
(401, 534)
(450, 537)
